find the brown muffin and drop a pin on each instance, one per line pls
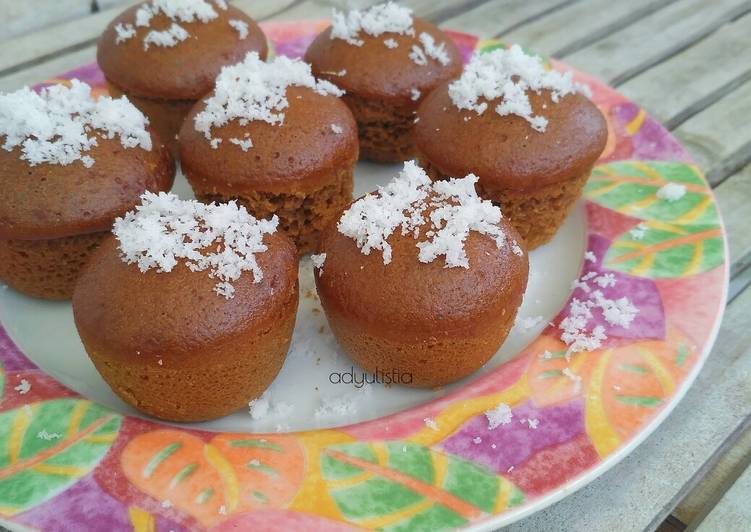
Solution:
(386, 67)
(56, 207)
(534, 175)
(299, 168)
(398, 309)
(165, 73)
(172, 347)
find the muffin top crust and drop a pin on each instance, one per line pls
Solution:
(384, 52)
(132, 309)
(70, 163)
(511, 122)
(173, 49)
(268, 125)
(421, 255)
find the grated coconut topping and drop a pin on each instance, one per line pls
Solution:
(221, 238)
(376, 20)
(257, 90)
(60, 124)
(509, 75)
(241, 27)
(383, 18)
(177, 11)
(402, 205)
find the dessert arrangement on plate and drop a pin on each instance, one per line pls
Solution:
(187, 303)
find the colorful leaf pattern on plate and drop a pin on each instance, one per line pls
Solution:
(399, 485)
(209, 480)
(45, 447)
(395, 473)
(671, 238)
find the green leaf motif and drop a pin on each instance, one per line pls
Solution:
(408, 487)
(630, 187)
(667, 250)
(45, 447)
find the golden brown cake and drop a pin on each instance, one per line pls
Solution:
(165, 54)
(70, 165)
(387, 61)
(278, 141)
(188, 339)
(530, 135)
(421, 280)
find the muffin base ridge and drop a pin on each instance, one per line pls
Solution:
(46, 269)
(231, 374)
(302, 216)
(425, 363)
(538, 213)
(384, 129)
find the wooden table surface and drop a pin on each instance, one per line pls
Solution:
(688, 63)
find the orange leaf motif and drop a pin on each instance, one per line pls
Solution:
(232, 473)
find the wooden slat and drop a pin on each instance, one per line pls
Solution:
(496, 18)
(696, 76)
(716, 482)
(719, 137)
(47, 69)
(734, 510)
(650, 40)
(638, 493)
(581, 23)
(734, 199)
(20, 16)
(52, 43)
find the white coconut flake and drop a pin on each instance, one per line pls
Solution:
(48, 436)
(318, 261)
(383, 18)
(500, 415)
(533, 423)
(241, 27)
(589, 256)
(124, 32)
(605, 280)
(222, 238)
(176, 11)
(391, 43)
(417, 55)
(166, 503)
(476, 440)
(508, 75)
(256, 90)
(433, 49)
(576, 379)
(166, 38)
(430, 423)
(341, 406)
(454, 210)
(60, 124)
(337, 129)
(638, 232)
(517, 249)
(244, 144)
(529, 322)
(415, 94)
(265, 407)
(671, 192)
(23, 387)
